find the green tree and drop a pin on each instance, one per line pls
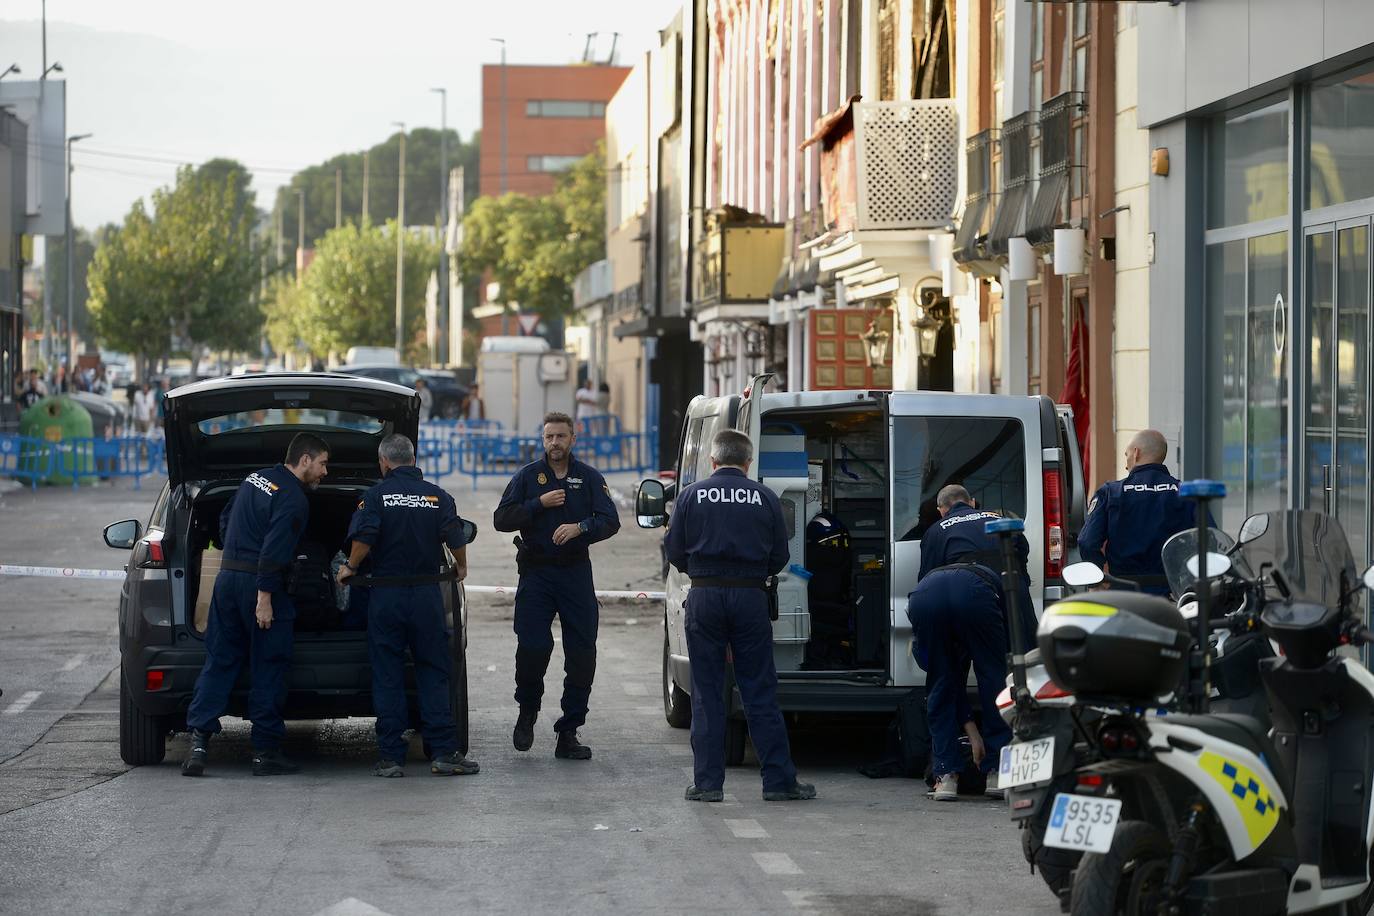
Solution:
(121, 276)
(55, 274)
(534, 247)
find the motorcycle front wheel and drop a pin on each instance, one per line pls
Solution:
(1125, 880)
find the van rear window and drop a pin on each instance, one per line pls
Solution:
(312, 417)
(985, 454)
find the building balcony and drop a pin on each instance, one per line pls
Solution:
(737, 263)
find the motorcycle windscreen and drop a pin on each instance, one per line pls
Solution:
(1301, 552)
(1182, 547)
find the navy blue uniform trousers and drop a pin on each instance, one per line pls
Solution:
(401, 618)
(957, 620)
(738, 618)
(568, 592)
(234, 637)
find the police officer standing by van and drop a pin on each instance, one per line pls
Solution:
(402, 525)
(958, 616)
(1129, 520)
(728, 535)
(560, 506)
(251, 614)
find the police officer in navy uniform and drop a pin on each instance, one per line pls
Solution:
(401, 530)
(561, 507)
(958, 618)
(1129, 520)
(251, 614)
(728, 535)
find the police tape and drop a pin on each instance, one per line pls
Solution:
(68, 572)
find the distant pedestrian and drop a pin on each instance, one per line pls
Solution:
(426, 400)
(33, 391)
(586, 401)
(144, 409)
(473, 408)
(603, 399)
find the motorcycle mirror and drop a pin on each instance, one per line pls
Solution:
(1217, 565)
(1254, 527)
(1082, 575)
(1368, 578)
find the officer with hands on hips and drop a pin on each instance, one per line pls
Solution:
(728, 535)
(402, 526)
(251, 615)
(560, 506)
(958, 618)
(1129, 520)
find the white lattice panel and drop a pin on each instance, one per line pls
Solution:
(908, 163)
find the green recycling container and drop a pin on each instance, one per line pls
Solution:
(58, 420)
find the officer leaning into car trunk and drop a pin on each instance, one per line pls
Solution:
(251, 614)
(728, 535)
(402, 525)
(958, 617)
(560, 506)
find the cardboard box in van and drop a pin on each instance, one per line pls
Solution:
(209, 571)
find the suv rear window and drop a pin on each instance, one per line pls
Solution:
(313, 417)
(985, 454)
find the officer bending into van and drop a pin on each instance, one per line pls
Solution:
(958, 616)
(560, 506)
(251, 614)
(728, 535)
(1129, 520)
(402, 526)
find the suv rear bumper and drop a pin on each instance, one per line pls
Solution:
(330, 678)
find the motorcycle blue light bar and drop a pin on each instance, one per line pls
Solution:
(1202, 489)
(998, 525)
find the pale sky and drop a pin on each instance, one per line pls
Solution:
(285, 84)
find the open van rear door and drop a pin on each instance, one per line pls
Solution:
(750, 420)
(1075, 476)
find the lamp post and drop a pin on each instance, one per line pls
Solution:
(504, 167)
(400, 242)
(443, 221)
(71, 337)
(55, 68)
(12, 68)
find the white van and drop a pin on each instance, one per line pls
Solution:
(875, 460)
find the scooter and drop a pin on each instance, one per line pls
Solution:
(1207, 812)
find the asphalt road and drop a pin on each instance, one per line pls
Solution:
(81, 833)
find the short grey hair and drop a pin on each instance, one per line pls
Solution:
(950, 495)
(1154, 448)
(731, 448)
(397, 449)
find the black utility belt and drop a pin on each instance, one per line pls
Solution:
(448, 574)
(239, 565)
(525, 558)
(727, 582)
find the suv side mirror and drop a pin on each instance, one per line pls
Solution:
(469, 531)
(123, 535)
(1082, 575)
(651, 504)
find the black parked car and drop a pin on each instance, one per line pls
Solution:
(218, 432)
(448, 394)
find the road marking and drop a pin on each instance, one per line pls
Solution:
(776, 863)
(74, 662)
(23, 703)
(746, 829)
(351, 906)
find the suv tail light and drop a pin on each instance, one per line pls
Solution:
(1052, 488)
(154, 554)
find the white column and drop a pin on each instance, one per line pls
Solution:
(1012, 336)
(868, 55)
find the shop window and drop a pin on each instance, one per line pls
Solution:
(1247, 166)
(1341, 157)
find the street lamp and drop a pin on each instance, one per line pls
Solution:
(400, 241)
(443, 218)
(55, 68)
(71, 337)
(504, 173)
(12, 68)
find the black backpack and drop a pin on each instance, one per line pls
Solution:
(311, 588)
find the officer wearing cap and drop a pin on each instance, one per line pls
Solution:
(958, 618)
(251, 614)
(1129, 520)
(560, 506)
(728, 535)
(401, 528)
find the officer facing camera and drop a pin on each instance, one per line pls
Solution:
(728, 535)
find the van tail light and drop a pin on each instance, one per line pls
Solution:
(1051, 691)
(1054, 523)
(154, 553)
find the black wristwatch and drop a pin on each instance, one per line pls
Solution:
(584, 526)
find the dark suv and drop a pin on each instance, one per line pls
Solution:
(218, 432)
(448, 394)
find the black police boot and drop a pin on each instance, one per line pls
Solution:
(454, 764)
(388, 769)
(194, 765)
(523, 736)
(704, 795)
(273, 763)
(569, 748)
(798, 791)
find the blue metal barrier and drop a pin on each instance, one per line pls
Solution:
(434, 456)
(447, 429)
(25, 458)
(502, 456)
(134, 457)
